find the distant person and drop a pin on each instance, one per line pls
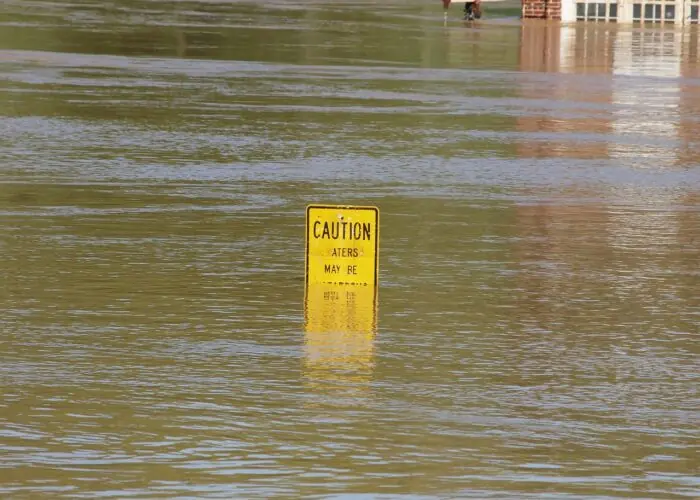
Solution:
(472, 10)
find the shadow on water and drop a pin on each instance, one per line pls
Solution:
(539, 186)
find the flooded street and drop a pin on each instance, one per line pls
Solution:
(538, 324)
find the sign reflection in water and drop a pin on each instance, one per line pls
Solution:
(340, 328)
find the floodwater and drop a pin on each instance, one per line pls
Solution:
(538, 320)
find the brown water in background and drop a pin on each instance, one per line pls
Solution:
(539, 306)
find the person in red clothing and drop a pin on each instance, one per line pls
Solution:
(472, 10)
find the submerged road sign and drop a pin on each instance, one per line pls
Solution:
(342, 245)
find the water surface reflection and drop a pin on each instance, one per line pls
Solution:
(540, 196)
(340, 327)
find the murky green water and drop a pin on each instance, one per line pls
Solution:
(539, 306)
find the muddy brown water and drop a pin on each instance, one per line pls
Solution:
(538, 322)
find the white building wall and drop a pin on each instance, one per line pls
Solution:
(568, 11)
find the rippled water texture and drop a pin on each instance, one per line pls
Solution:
(537, 330)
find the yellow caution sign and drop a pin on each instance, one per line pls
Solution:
(342, 245)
